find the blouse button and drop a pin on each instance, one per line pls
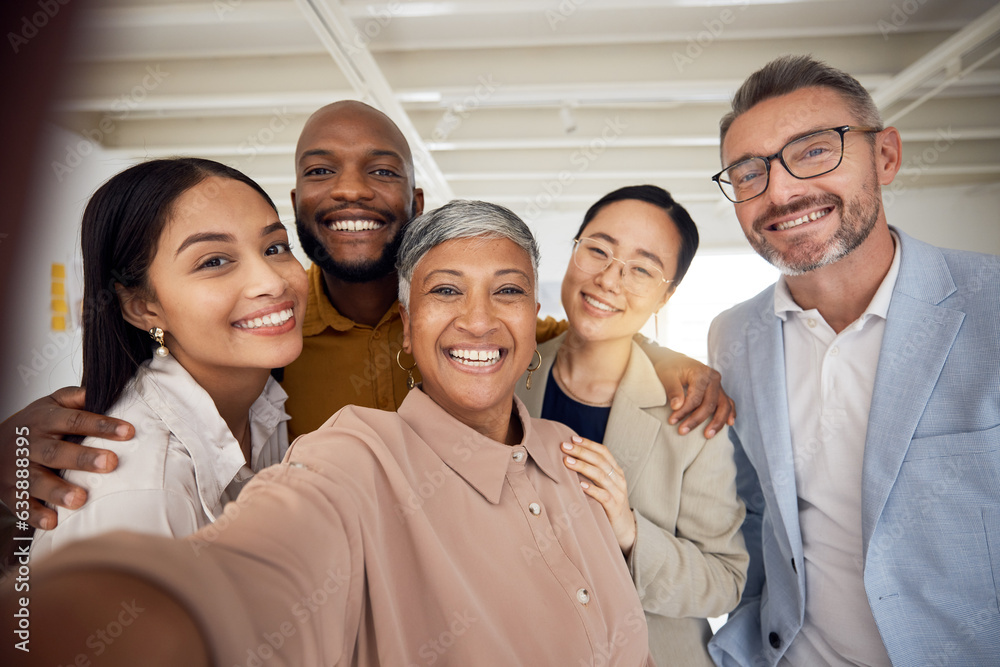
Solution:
(811, 322)
(535, 508)
(583, 595)
(518, 456)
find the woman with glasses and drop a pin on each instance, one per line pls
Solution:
(671, 498)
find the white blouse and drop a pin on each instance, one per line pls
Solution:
(182, 466)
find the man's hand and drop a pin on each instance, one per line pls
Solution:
(694, 390)
(43, 424)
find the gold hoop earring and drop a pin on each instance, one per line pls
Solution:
(409, 371)
(527, 382)
(156, 333)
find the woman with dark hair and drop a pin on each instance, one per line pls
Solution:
(191, 297)
(671, 498)
(447, 532)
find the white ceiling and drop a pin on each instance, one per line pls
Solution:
(541, 106)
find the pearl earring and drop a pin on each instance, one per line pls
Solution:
(156, 333)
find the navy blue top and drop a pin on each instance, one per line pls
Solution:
(587, 420)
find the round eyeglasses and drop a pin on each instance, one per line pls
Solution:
(639, 276)
(806, 157)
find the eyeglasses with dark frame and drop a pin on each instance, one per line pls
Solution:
(810, 156)
(639, 277)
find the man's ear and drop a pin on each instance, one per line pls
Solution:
(292, 194)
(418, 201)
(405, 317)
(888, 155)
(138, 311)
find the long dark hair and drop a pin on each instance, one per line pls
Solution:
(121, 228)
(656, 196)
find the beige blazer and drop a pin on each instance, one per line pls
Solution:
(689, 561)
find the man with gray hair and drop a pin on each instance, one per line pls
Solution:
(867, 383)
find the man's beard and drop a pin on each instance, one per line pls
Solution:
(359, 272)
(857, 220)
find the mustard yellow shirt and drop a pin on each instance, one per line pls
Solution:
(347, 363)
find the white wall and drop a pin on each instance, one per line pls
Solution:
(38, 360)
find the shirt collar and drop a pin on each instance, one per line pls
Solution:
(320, 313)
(483, 463)
(191, 416)
(879, 306)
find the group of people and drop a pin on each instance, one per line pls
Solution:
(471, 485)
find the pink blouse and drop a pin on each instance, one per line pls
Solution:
(402, 538)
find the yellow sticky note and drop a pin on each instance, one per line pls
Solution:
(58, 323)
(59, 271)
(59, 306)
(58, 289)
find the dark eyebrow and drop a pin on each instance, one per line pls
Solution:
(378, 152)
(650, 256)
(644, 253)
(450, 272)
(272, 228)
(605, 237)
(518, 272)
(208, 237)
(205, 237)
(459, 274)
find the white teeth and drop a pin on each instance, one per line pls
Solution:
(597, 304)
(354, 225)
(269, 320)
(815, 215)
(476, 357)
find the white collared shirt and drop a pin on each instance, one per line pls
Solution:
(182, 466)
(830, 378)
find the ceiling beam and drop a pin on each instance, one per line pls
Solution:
(946, 57)
(349, 49)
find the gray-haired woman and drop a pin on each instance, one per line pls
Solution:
(448, 531)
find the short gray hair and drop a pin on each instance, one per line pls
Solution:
(787, 74)
(460, 219)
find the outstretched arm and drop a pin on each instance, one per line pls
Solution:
(74, 612)
(693, 389)
(40, 428)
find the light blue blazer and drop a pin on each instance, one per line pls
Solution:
(931, 471)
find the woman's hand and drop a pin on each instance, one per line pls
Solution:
(606, 486)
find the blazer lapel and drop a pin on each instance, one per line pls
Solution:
(765, 345)
(917, 340)
(631, 432)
